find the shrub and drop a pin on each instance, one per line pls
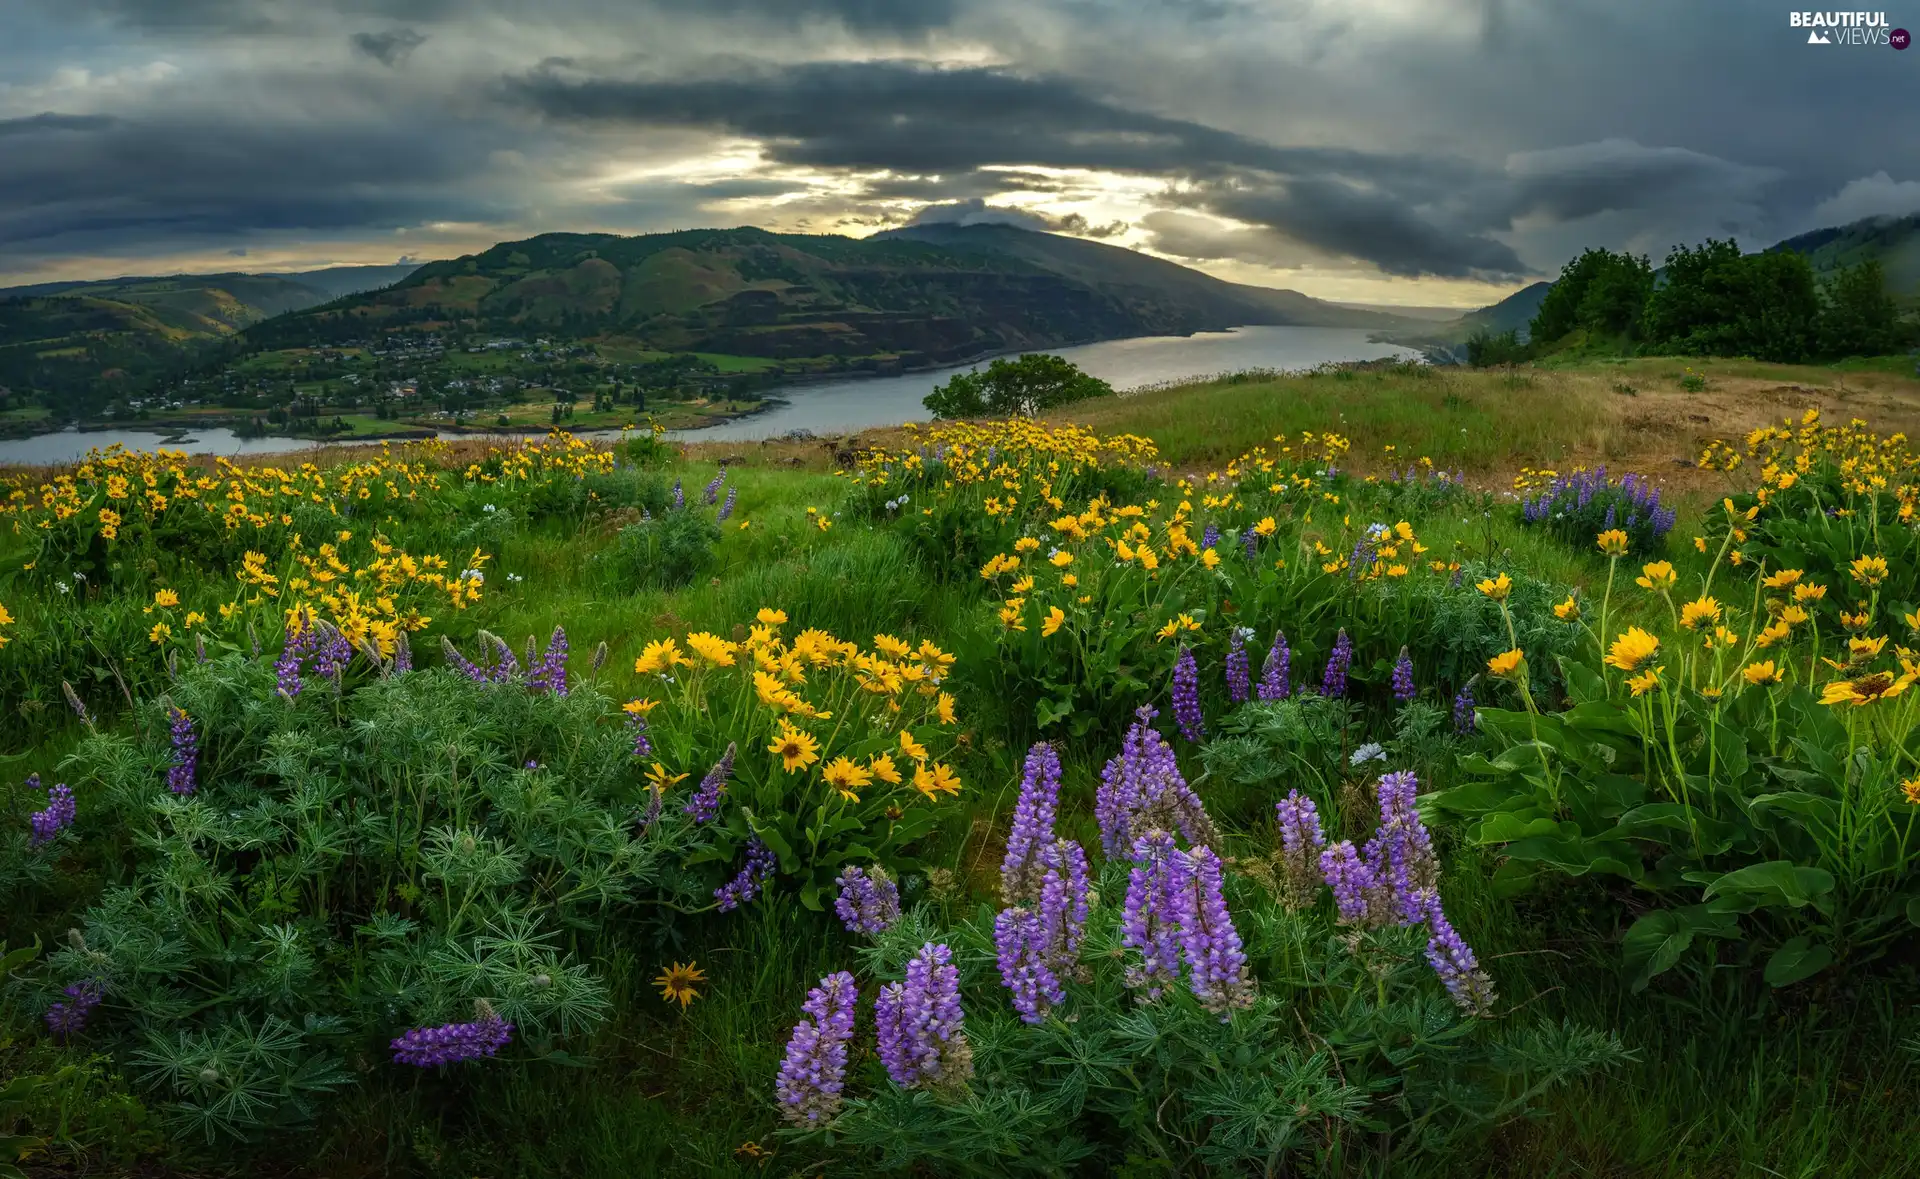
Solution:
(663, 552)
(1026, 386)
(1579, 506)
(290, 883)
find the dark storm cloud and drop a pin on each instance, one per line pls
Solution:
(391, 48)
(975, 211)
(130, 182)
(48, 122)
(915, 119)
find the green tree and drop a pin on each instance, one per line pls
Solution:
(1859, 317)
(1716, 301)
(1600, 291)
(1026, 386)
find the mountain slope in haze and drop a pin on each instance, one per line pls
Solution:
(112, 335)
(1894, 241)
(1159, 287)
(925, 295)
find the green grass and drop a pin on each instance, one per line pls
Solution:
(1464, 420)
(1728, 1084)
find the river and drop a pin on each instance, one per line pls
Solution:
(852, 403)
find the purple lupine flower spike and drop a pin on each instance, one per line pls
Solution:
(705, 803)
(402, 654)
(1401, 851)
(814, 1072)
(1403, 687)
(726, 509)
(453, 1043)
(58, 816)
(1301, 843)
(1142, 788)
(1356, 892)
(711, 494)
(1250, 540)
(1463, 717)
(1210, 537)
(1186, 697)
(642, 745)
(1334, 681)
(1454, 961)
(1274, 683)
(1032, 826)
(869, 901)
(1019, 943)
(186, 753)
(918, 1023)
(550, 673)
(1216, 963)
(1063, 905)
(66, 1017)
(460, 663)
(679, 497)
(1239, 685)
(752, 877)
(1150, 919)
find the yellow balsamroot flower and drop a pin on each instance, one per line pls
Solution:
(1025, 544)
(1612, 542)
(665, 781)
(891, 647)
(1645, 682)
(1632, 649)
(1010, 618)
(912, 748)
(770, 617)
(6, 619)
(1210, 559)
(1175, 625)
(659, 656)
(1266, 527)
(1912, 620)
(1785, 579)
(1024, 585)
(1794, 615)
(1776, 633)
(943, 708)
(1055, 616)
(639, 708)
(1658, 575)
(677, 981)
(1870, 571)
(999, 563)
(1808, 592)
(1148, 560)
(166, 597)
(1496, 588)
(712, 648)
(1061, 559)
(795, 748)
(883, 769)
(195, 618)
(1879, 685)
(1761, 674)
(160, 631)
(1505, 664)
(939, 780)
(1699, 612)
(1865, 650)
(1567, 611)
(1911, 790)
(847, 776)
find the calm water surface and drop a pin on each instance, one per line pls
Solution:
(853, 403)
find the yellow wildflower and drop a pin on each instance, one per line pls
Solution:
(1632, 649)
(1497, 588)
(1505, 664)
(1761, 674)
(1055, 616)
(1612, 542)
(796, 749)
(1567, 611)
(1658, 575)
(1699, 612)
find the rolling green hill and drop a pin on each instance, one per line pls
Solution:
(924, 295)
(97, 340)
(1894, 241)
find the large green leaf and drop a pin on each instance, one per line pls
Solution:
(1798, 960)
(1776, 882)
(1655, 942)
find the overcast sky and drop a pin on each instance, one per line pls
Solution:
(1404, 151)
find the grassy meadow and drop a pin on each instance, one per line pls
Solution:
(572, 750)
